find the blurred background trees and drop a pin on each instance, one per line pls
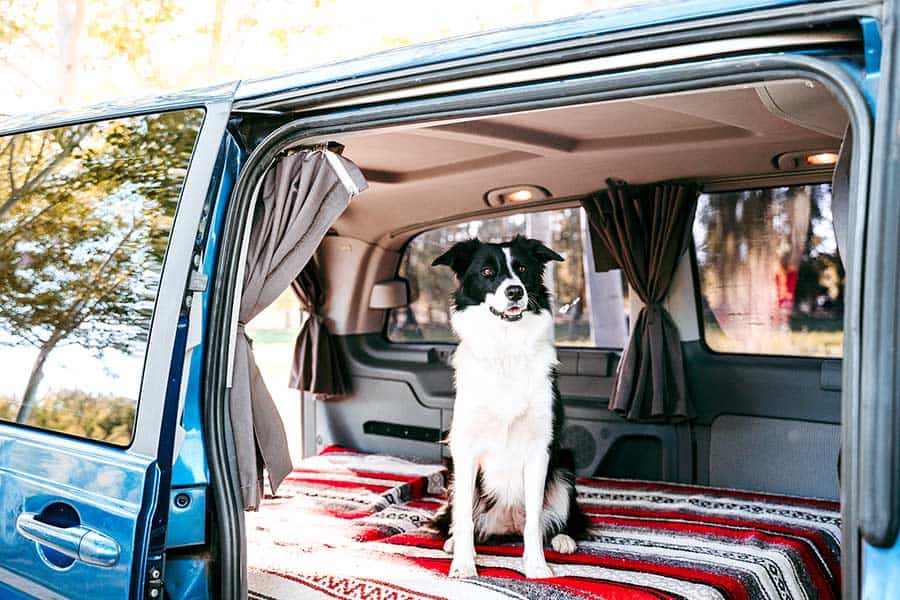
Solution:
(771, 278)
(98, 417)
(85, 215)
(73, 52)
(582, 316)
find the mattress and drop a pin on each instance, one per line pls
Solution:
(349, 525)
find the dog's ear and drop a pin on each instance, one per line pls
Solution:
(537, 249)
(459, 257)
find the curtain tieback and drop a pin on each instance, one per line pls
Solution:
(655, 312)
(242, 330)
(312, 316)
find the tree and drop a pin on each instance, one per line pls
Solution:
(761, 255)
(84, 233)
(69, 27)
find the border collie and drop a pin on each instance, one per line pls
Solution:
(509, 475)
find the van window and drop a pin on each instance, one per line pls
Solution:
(589, 308)
(771, 279)
(85, 216)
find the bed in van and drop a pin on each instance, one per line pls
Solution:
(729, 383)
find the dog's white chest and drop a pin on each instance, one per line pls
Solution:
(504, 399)
(505, 388)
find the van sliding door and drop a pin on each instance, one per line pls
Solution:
(98, 222)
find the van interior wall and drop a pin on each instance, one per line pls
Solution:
(351, 267)
(766, 423)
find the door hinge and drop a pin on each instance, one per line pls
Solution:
(198, 281)
(155, 582)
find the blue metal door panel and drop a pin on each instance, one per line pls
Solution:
(881, 575)
(103, 486)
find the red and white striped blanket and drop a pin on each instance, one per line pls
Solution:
(347, 525)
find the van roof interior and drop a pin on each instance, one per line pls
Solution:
(421, 176)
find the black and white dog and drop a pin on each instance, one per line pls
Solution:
(509, 474)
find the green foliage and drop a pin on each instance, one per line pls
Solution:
(88, 212)
(104, 418)
(127, 27)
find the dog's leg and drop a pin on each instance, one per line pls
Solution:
(563, 543)
(464, 469)
(558, 506)
(535, 476)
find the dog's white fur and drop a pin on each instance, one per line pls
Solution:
(502, 424)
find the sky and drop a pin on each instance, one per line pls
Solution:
(127, 49)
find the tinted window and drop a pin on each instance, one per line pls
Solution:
(589, 307)
(771, 280)
(85, 216)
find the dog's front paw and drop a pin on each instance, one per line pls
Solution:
(448, 545)
(536, 568)
(562, 543)
(462, 567)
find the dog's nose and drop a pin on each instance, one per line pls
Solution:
(515, 293)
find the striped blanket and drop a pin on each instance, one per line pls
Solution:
(348, 525)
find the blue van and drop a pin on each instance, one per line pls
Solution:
(732, 414)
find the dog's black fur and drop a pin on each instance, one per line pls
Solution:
(468, 259)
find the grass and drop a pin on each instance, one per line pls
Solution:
(822, 344)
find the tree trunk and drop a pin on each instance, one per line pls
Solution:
(215, 50)
(29, 398)
(69, 28)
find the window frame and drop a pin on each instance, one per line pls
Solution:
(813, 179)
(526, 208)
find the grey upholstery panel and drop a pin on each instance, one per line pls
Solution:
(341, 420)
(591, 433)
(412, 385)
(774, 455)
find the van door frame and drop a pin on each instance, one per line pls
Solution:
(319, 128)
(879, 407)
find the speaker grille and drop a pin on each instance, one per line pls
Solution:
(579, 440)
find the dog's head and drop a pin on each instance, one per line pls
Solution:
(506, 278)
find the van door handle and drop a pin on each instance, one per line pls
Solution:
(77, 542)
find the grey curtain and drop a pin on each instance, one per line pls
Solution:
(319, 366)
(646, 229)
(301, 196)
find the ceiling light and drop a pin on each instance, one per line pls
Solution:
(518, 196)
(806, 159)
(820, 159)
(515, 194)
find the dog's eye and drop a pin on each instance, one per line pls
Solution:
(488, 272)
(521, 268)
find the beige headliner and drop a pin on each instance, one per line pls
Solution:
(442, 171)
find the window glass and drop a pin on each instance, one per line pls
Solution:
(85, 216)
(589, 308)
(771, 280)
